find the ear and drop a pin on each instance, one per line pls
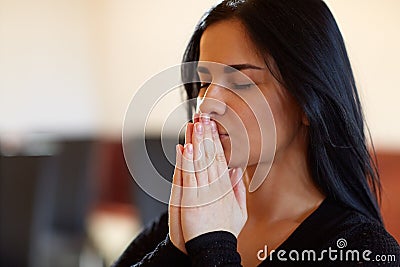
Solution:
(304, 119)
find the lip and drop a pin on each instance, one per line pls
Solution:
(223, 137)
(221, 130)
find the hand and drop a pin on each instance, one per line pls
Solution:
(212, 200)
(174, 207)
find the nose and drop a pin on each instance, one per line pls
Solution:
(212, 102)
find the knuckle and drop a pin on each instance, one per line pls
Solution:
(200, 165)
(220, 157)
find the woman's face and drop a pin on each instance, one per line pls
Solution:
(240, 109)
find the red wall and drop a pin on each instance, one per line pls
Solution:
(389, 166)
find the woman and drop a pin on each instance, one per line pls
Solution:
(318, 201)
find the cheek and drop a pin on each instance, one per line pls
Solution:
(248, 145)
(253, 135)
(287, 115)
(261, 123)
(241, 128)
(256, 137)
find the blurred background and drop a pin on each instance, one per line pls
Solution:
(68, 70)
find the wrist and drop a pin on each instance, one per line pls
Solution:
(177, 245)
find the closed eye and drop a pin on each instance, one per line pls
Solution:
(242, 86)
(234, 85)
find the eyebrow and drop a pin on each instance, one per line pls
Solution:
(231, 68)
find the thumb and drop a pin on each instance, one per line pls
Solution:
(176, 189)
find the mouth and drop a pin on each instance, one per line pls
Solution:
(222, 134)
(221, 131)
(223, 137)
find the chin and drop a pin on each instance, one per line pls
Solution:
(227, 157)
(234, 162)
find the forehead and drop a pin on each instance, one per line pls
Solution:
(227, 42)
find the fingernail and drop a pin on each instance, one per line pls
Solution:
(213, 126)
(205, 118)
(190, 148)
(199, 128)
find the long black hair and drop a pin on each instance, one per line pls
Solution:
(303, 39)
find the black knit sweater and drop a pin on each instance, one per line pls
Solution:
(332, 235)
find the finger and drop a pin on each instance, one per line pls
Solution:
(200, 164)
(177, 177)
(234, 178)
(176, 190)
(220, 159)
(239, 188)
(188, 134)
(188, 176)
(209, 149)
(196, 117)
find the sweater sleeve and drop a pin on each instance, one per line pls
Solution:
(165, 254)
(217, 248)
(151, 246)
(380, 248)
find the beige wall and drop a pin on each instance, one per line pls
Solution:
(72, 66)
(371, 30)
(45, 66)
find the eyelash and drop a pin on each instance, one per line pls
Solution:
(243, 86)
(235, 86)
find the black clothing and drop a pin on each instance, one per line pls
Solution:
(340, 231)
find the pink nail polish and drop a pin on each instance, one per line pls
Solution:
(190, 148)
(213, 126)
(205, 118)
(199, 128)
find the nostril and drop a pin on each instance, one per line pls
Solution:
(211, 105)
